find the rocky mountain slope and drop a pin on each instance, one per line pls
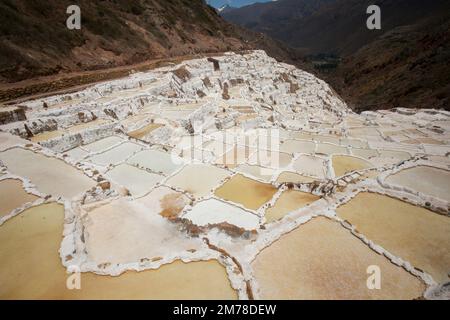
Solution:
(34, 39)
(405, 64)
(407, 67)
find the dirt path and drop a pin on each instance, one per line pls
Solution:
(35, 88)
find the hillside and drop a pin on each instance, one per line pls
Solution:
(403, 65)
(34, 40)
(407, 67)
(329, 26)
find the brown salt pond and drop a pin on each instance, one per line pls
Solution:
(142, 132)
(346, 164)
(13, 196)
(412, 233)
(250, 193)
(49, 175)
(323, 260)
(47, 135)
(289, 201)
(433, 181)
(31, 268)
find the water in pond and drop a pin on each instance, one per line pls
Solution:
(250, 193)
(156, 161)
(329, 149)
(13, 196)
(323, 260)
(292, 177)
(257, 172)
(116, 155)
(295, 146)
(142, 132)
(50, 176)
(346, 164)
(412, 233)
(31, 268)
(103, 144)
(137, 181)
(47, 135)
(290, 200)
(433, 181)
(213, 211)
(311, 166)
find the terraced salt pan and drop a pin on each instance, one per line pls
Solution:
(250, 193)
(165, 202)
(423, 141)
(116, 155)
(365, 153)
(323, 260)
(327, 139)
(125, 231)
(103, 144)
(198, 179)
(156, 161)
(144, 131)
(427, 180)
(296, 146)
(354, 143)
(270, 159)
(13, 196)
(47, 135)
(412, 233)
(31, 268)
(346, 164)
(8, 140)
(289, 201)
(310, 166)
(77, 153)
(137, 181)
(260, 173)
(192, 154)
(366, 133)
(234, 157)
(50, 176)
(330, 149)
(292, 177)
(398, 155)
(217, 147)
(84, 126)
(213, 211)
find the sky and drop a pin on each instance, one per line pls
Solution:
(233, 3)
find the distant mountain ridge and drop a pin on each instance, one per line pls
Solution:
(34, 39)
(405, 64)
(233, 3)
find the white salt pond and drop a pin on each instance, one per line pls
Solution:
(116, 155)
(427, 180)
(310, 166)
(137, 181)
(156, 161)
(50, 176)
(213, 212)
